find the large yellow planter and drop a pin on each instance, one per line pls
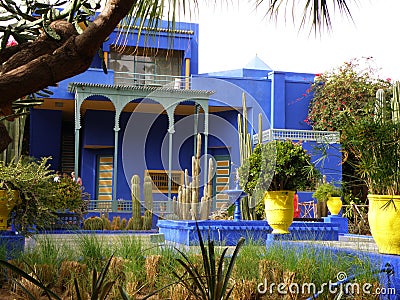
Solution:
(279, 210)
(334, 205)
(384, 222)
(5, 207)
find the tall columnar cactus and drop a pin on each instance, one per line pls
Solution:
(148, 202)
(380, 113)
(16, 130)
(380, 106)
(195, 180)
(179, 203)
(187, 201)
(209, 184)
(395, 103)
(148, 192)
(136, 213)
(245, 148)
(206, 200)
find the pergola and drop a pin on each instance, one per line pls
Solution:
(121, 95)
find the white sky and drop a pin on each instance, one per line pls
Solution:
(231, 36)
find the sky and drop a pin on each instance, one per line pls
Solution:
(232, 35)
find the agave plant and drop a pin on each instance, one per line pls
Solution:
(213, 283)
(100, 287)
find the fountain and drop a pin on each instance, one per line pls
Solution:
(228, 232)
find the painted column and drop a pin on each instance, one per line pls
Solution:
(171, 131)
(78, 102)
(278, 105)
(196, 126)
(114, 205)
(205, 108)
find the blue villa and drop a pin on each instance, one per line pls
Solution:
(143, 115)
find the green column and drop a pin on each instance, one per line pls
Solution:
(114, 205)
(196, 127)
(205, 108)
(78, 103)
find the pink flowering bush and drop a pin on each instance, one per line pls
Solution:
(343, 94)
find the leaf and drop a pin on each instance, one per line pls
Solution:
(28, 277)
(50, 32)
(123, 293)
(78, 293)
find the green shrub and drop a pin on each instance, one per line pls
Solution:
(277, 165)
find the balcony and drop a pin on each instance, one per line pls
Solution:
(330, 137)
(151, 80)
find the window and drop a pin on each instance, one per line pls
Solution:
(160, 180)
(148, 65)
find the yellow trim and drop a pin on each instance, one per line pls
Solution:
(82, 25)
(187, 73)
(105, 54)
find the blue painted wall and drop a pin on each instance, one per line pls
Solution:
(98, 128)
(327, 158)
(188, 43)
(45, 135)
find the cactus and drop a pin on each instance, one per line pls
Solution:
(147, 220)
(380, 113)
(148, 193)
(380, 106)
(123, 223)
(184, 197)
(395, 103)
(134, 223)
(148, 202)
(106, 222)
(136, 209)
(93, 223)
(245, 149)
(187, 203)
(179, 203)
(16, 130)
(209, 185)
(204, 208)
(116, 223)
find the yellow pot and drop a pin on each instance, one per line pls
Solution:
(5, 207)
(384, 222)
(334, 205)
(279, 210)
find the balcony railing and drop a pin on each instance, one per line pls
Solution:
(151, 80)
(330, 137)
(159, 207)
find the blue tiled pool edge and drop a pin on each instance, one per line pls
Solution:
(377, 260)
(228, 232)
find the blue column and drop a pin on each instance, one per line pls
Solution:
(278, 105)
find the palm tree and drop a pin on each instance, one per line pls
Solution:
(51, 47)
(317, 12)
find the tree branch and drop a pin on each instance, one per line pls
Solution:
(72, 58)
